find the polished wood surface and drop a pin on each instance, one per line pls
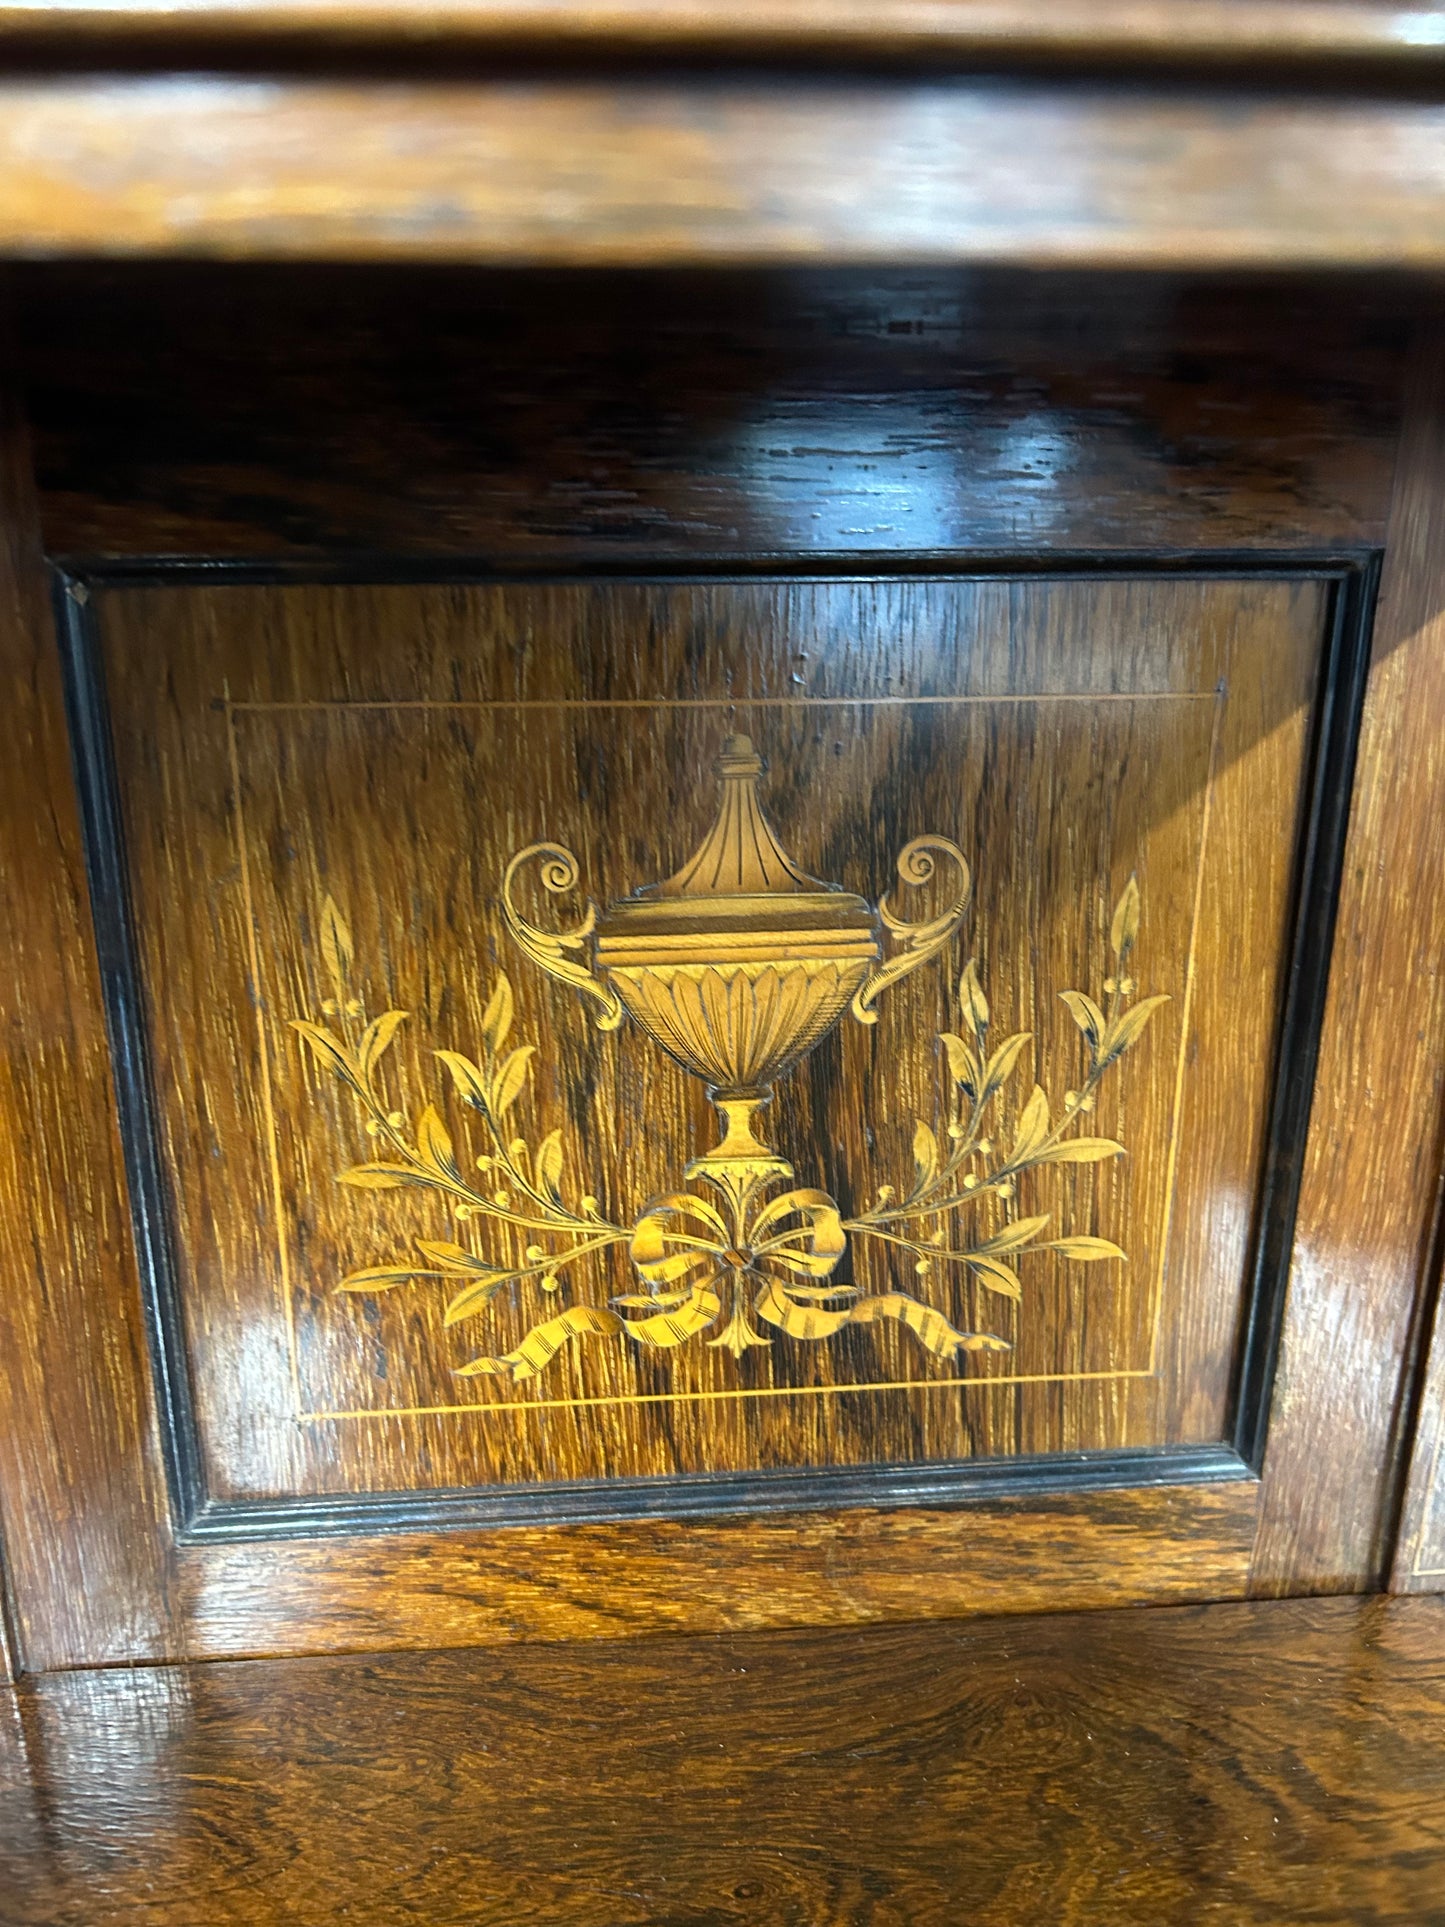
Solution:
(246, 413)
(81, 1500)
(259, 412)
(719, 169)
(1384, 33)
(1280, 1763)
(634, 1578)
(166, 646)
(766, 490)
(1362, 1274)
(392, 746)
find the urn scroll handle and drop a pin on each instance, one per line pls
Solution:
(917, 863)
(561, 953)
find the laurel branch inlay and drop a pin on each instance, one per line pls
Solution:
(736, 967)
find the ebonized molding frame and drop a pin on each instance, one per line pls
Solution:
(1353, 577)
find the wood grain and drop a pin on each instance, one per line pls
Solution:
(1140, 1545)
(80, 1502)
(1360, 1273)
(1276, 1763)
(537, 418)
(725, 170)
(1282, 32)
(103, 1583)
(885, 709)
(237, 413)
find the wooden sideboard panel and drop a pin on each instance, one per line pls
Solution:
(388, 748)
(771, 426)
(1051, 1552)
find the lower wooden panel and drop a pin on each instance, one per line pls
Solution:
(1231, 1765)
(578, 1582)
(1135, 430)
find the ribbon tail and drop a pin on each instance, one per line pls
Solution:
(543, 1342)
(929, 1327)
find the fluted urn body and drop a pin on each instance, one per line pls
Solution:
(740, 963)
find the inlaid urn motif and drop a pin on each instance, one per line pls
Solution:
(740, 963)
(736, 967)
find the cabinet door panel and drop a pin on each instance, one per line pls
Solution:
(922, 1290)
(215, 1451)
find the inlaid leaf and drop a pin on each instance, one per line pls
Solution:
(963, 1065)
(454, 1257)
(379, 1278)
(1087, 1015)
(475, 1297)
(377, 1036)
(1081, 1150)
(996, 1277)
(330, 1054)
(336, 946)
(1014, 1236)
(434, 1141)
(1002, 1063)
(511, 1078)
(1125, 927)
(549, 1166)
(972, 999)
(380, 1177)
(497, 1018)
(1086, 1250)
(1033, 1127)
(925, 1155)
(470, 1083)
(1129, 1026)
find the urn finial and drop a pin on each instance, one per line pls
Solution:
(740, 856)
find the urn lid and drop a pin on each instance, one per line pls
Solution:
(739, 882)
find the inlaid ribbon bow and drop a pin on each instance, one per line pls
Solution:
(683, 1251)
